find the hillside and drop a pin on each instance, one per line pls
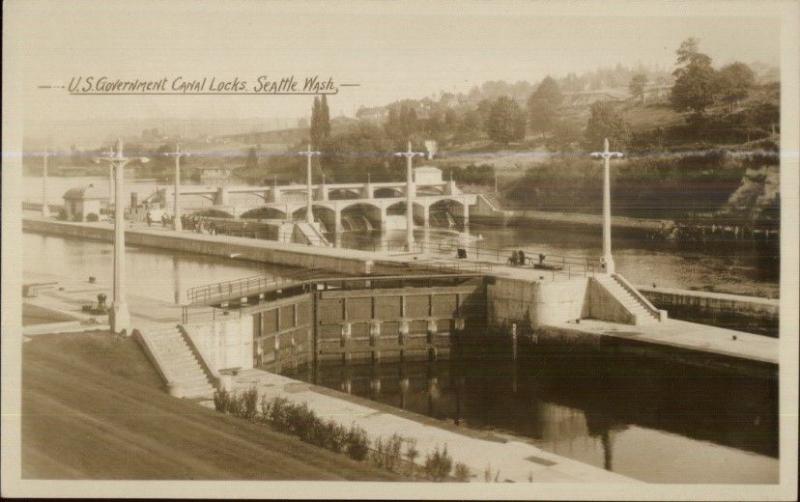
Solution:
(93, 408)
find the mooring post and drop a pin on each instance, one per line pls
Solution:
(514, 341)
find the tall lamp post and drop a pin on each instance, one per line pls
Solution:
(177, 225)
(309, 193)
(119, 317)
(410, 193)
(606, 155)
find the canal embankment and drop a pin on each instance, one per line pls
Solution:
(672, 340)
(512, 460)
(746, 313)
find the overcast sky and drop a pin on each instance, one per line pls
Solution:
(393, 50)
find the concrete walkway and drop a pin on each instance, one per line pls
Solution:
(70, 294)
(687, 335)
(516, 461)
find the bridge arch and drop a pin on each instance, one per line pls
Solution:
(322, 213)
(430, 190)
(264, 213)
(211, 212)
(448, 212)
(387, 192)
(361, 216)
(344, 193)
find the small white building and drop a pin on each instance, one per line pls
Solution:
(81, 202)
(427, 175)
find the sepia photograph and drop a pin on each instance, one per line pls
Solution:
(400, 250)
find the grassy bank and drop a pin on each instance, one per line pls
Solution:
(94, 408)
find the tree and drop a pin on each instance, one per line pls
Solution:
(636, 86)
(506, 121)
(543, 105)
(324, 118)
(315, 131)
(734, 82)
(401, 123)
(605, 122)
(252, 159)
(695, 81)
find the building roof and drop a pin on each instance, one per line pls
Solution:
(84, 193)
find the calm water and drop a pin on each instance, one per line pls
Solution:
(740, 269)
(651, 421)
(150, 272)
(736, 269)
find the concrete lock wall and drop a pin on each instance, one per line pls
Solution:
(282, 332)
(224, 343)
(600, 304)
(540, 303)
(279, 253)
(712, 302)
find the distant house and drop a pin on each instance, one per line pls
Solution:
(373, 114)
(657, 92)
(81, 202)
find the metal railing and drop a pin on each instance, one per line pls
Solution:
(192, 314)
(202, 297)
(240, 288)
(550, 264)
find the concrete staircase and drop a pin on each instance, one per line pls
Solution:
(177, 363)
(309, 234)
(634, 302)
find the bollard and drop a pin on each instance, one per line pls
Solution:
(514, 341)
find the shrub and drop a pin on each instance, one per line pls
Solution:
(376, 455)
(92, 217)
(279, 412)
(462, 472)
(357, 443)
(412, 453)
(336, 437)
(250, 403)
(235, 405)
(221, 399)
(392, 452)
(438, 464)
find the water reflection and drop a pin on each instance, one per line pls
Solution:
(151, 273)
(654, 421)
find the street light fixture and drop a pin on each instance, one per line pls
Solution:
(606, 155)
(410, 193)
(177, 225)
(309, 195)
(119, 317)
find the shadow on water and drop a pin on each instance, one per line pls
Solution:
(651, 420)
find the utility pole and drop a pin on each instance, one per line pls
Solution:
(310, 194)
(45, 207)
(606, 155)
(177, 224)
(410, 193)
